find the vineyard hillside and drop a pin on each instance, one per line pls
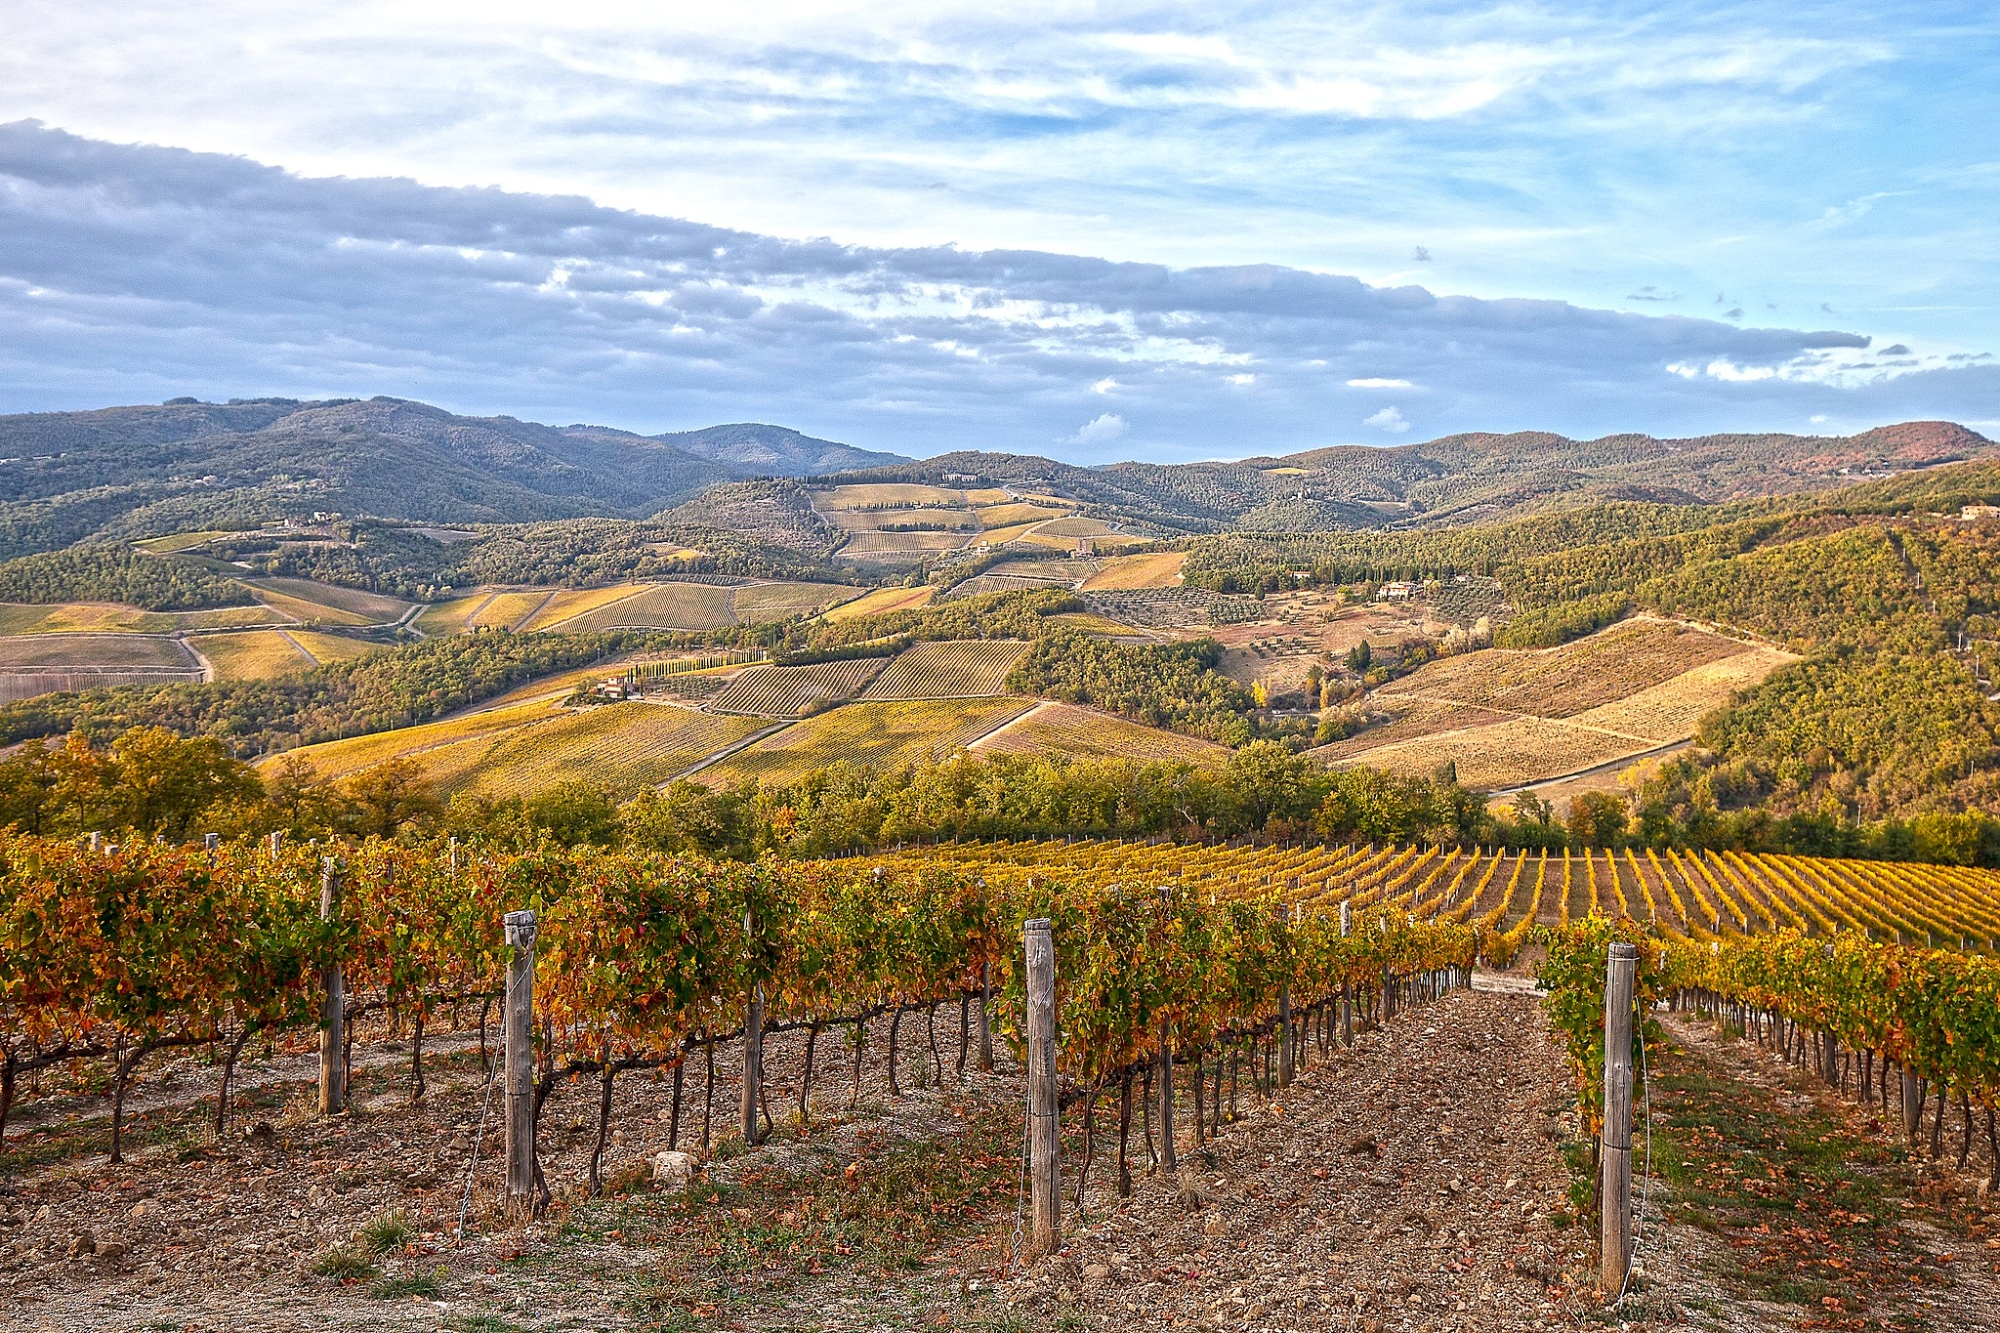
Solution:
(792, 691)
(877, 735)
(950, 670)
(1071, 731)
(1505, 718)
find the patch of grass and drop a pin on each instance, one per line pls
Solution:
(386, 1231)
(405, 1285)
(480, 1323)
(1810, 1212)
(344, 1262)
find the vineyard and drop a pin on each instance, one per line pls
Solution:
(623, 747)
(759, 603)
(131, 951)
(883, 601)
(957, 670)
(258, 655)
(1071, 730)
(792, 691)
(876, 735)
(661, 606)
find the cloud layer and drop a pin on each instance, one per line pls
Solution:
(137, 273)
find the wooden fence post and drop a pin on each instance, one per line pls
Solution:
(1346, 987)
(753, 1061)
(333, 1003)
(1044, 1167)
(518, 1019)
(985, 1019)
(1620, 971)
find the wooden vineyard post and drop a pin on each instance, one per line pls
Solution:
(1913, 1104)
(1169, 1159)
(753, 1061)
(1284, 1014)
(753, 1051)
(985, 1019)
(210, 841)
(518, 1025)
(1044, 1167)
(277, 843)
(333, 1003)
(1620, 971)
(1346, 987)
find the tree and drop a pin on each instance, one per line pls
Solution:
(1596, 819)
(384, 798)
(1359, 658)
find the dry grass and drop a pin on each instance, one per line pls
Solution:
(876, 735)
(263, 655)
(1562, 682)
(1013, 533)
(1505, 754)
(965, 669)
(1670, 711)
(883, 600)
(789, 691)
(1073, 731)
(1161, 569)
(661, 606)
(179, 541)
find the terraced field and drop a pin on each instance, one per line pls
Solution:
(962, 669)
(661, 606)
(1077, 732)
(792, 691)
(879, 735)
(258, 655)
(883, 600)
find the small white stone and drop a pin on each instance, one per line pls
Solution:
(672, 1170)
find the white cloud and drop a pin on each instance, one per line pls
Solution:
(132, 274)
(1242, 381)
(1100, 429)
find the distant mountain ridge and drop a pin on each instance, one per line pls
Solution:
(775, 450)
(1463, 478)
(124, 472)
(120, 473)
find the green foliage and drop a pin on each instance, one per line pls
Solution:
(117, 574)
(1168, 685)
(1572, 973)
(1549, 626)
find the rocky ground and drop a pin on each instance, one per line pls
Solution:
(1416, 1181)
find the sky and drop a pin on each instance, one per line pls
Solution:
(1090, 231)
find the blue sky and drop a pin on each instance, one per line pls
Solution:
(1092, 231)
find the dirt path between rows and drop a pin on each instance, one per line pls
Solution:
(1412, 1182)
